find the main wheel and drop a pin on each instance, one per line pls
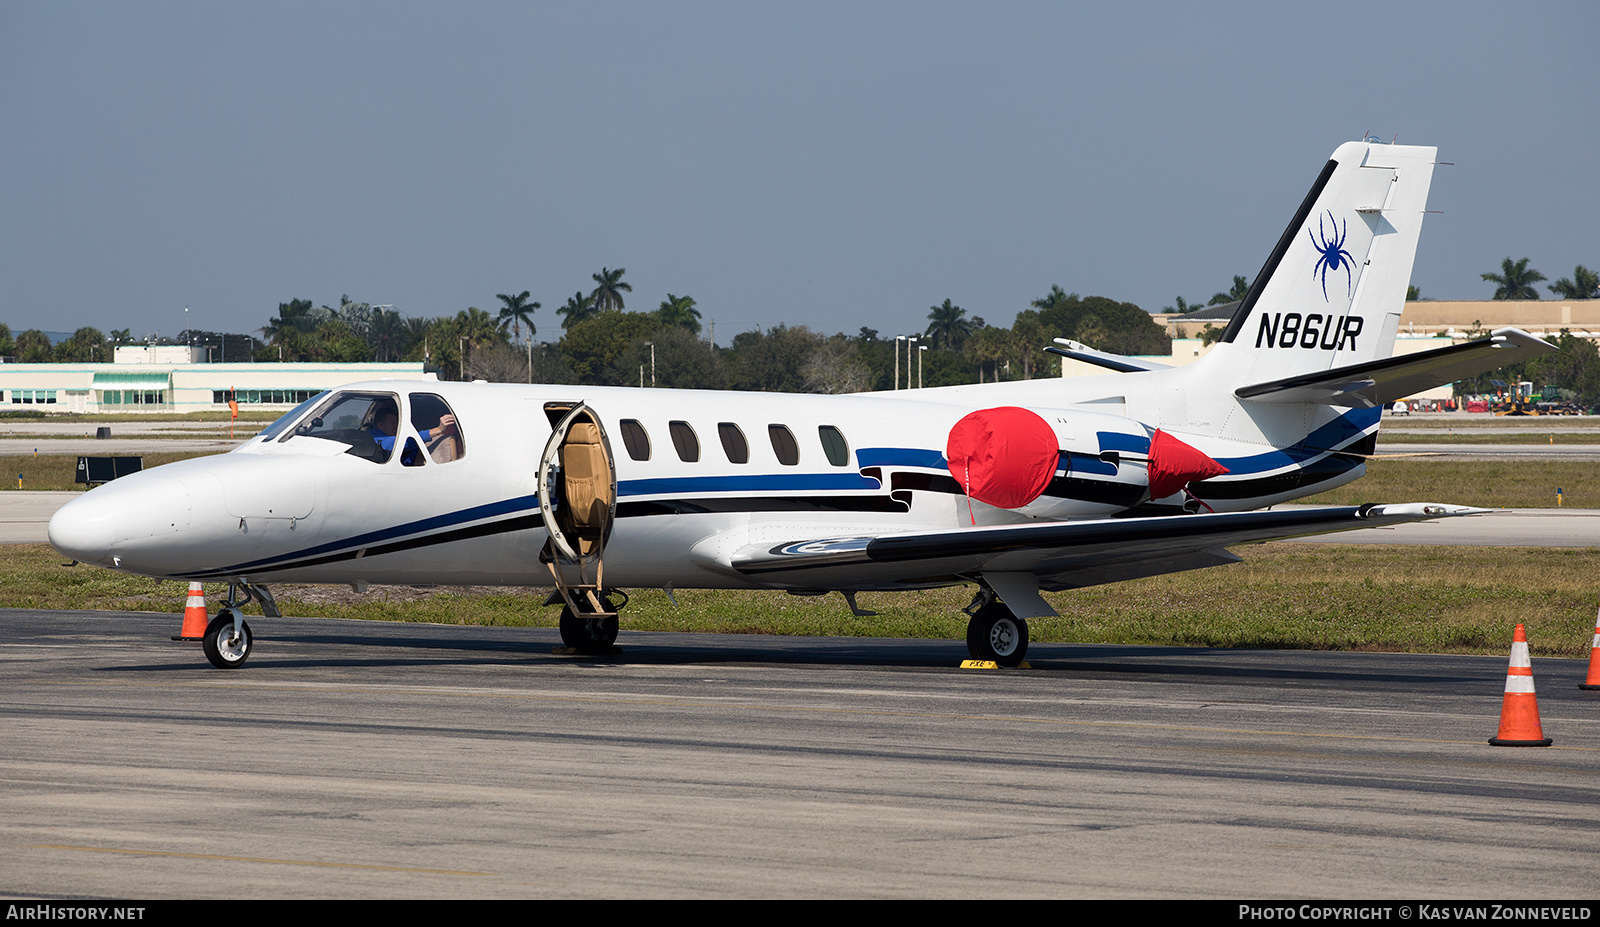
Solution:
(996, 634)
(588, 633)
(223, 649)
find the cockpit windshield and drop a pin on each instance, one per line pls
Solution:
(288, 418)
(365, 422)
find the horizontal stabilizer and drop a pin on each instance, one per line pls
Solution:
(1380, 382)
(1062, 554)
(1081, 352)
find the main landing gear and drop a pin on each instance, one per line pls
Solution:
(994, 633)
(588, 632)
(578, 502)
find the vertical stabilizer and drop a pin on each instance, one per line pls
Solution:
(1332, 291)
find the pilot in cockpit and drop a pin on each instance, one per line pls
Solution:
(386, 423)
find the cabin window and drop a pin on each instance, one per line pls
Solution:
(437, 427)
(733, 443)
(636, 439)
(834, 445)
(364, 422)
(683, 439)
(412, 455)
(783, 444)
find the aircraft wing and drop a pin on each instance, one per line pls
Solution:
(1054, 555)
(1383, 381)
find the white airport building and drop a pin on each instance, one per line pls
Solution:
(175, 378)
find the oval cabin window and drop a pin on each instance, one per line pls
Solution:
(733, 443)
(834, 445)
(784, 445)
(684, 441)
(635, 439)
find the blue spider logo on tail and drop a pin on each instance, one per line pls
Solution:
(1334, 257)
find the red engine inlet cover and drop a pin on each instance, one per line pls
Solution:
(1005, 457)
(1174, 465)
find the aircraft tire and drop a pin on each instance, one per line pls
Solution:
(223, 653)
(996, 634)
(586, 633)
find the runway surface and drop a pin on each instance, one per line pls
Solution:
(366, 759)
(1497, 528)
(1558, 452)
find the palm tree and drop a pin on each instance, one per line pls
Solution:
(387, 334)
(579, 308)
(947, 324)
(679, 311)
(1240, 288)
(478, 327)
(1515, 280)
(1585, 284)
(607, 295)
(33, 347)
(517, 311)
(988, 346)
(1055, 300)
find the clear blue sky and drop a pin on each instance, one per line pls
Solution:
(827, 164)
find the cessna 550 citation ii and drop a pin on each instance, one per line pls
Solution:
(1014, 487)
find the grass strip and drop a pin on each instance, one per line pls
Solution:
(55, 472)
(1516, 484)
(1284, 595)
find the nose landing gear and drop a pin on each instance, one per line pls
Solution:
(227, 641)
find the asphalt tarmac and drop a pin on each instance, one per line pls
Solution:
(373, 760)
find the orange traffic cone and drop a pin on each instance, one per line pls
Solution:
(194, 615)
(1519, 713)
(1593, 682)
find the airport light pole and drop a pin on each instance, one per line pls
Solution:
(897, 340)
(920, 349)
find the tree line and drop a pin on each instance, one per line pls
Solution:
(602, 342)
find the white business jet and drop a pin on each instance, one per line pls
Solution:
(1012, 487)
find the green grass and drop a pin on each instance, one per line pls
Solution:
(1285, 595)
(56, 471)
(1484, 483)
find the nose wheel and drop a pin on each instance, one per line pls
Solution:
(994, 633)
(227, 646)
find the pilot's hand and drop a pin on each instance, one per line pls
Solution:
(447, 423)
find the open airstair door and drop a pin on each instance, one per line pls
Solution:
(578, 499)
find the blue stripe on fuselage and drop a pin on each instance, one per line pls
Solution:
(447, 520)
(1335, 434)
(757, 483)
(901, 457)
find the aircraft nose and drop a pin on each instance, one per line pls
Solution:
(84, 529)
